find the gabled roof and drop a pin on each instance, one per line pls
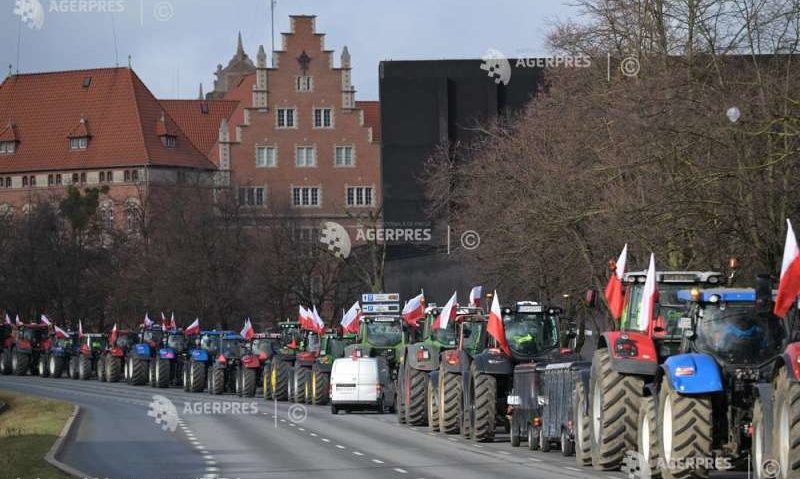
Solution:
(121, 114)
(9, 133)
(201, 128)
(372, 117)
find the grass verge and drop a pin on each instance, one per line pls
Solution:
(28, 429)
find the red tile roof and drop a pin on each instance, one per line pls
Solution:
(201, 128)
(121, 113)
(9, 133)
(372, 117)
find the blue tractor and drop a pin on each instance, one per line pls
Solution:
(63, 355)
(169, 363)
(200, 359)
(141, 359)
(709, 393)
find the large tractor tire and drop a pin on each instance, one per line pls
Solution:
(21, 362)
(614, 403)
(186, 379)
(248, 385)
(55, 366)
(786, 426)
(266, 380)
(138, 371)
(320, 384)
(400, 398)
(84, 367)
(450, 399)
(647, 435)
(280, 380)
(758, 451)
(6, 367)
(74, 367)
(151, 373)
(162, 373)
(484, 406)
(197, 377)
(581, 421)
(42, 368)
(686, 433)
(113, 369)
(300, 379)
(101, 369)
(432, 406)
(415, 393)
(217, 384)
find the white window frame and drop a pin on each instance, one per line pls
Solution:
(322, 110)
(336, 149)
(304, 83)
(280, 113)
(78, 143)
(255, 189)
(362, 189)
(269, 162)
(8, 147)
(306, 191)
(305, 163)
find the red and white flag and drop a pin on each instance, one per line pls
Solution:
(164, 322)
(247, 332)
(351, 320)
(147, 321)
(8, 320)
(318, 325)
(475, 296)
(80, 329)
(649, 296)
(113, 338)
(304, 317)
(447, 313)
(19, 323)
(789, 286)
(45, 320)
(613, 292)
(495, 325)
(414, 310)
(193, 328)
(60, 333)
(172, 324)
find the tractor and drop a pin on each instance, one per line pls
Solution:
(230, 370)
(332, 346)
(303, 364)
(709, 392)
(30, 342)
(113, 360)
(445, 384)
(60, 356)
(200, 359)
(140, 366)
(6, 341)
(282, 362)
(91, 348)
(532, 333)
(268, 348)
(419, 359)
(255, 353)
(170, 360)
(609, 396)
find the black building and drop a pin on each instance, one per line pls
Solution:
(425, 104)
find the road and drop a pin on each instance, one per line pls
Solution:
(116, 439)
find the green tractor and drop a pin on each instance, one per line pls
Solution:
(332, 346)
(418, 360)
(278, 380)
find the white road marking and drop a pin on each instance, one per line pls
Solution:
(339, 446)
(325, 440)
(313, 434)
(539, 460)
(478, 446)
(505, 453)
(377, 461)
(300, 429)
(356, 453)
(572, 468)
(401, 471)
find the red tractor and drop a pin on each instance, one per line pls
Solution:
(111, 365)
(6, 340)
(29, 342)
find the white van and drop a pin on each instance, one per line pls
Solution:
(359, 383)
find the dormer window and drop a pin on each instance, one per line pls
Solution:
(170, 141)
(8, 147)
(80, 143)
(166, 132)
(8, 139)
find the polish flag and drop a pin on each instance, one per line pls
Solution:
(164, 322)
(60, 333)
(45, 320)
(475, 296)
(351, 320)
(447, 313)
(113, 338)
(649, 295)
(318, 325)
(414, 310)
(8, 320)
(495, 325)
(19, 323)
(172, 324)
(613, 293)
(304, 318)
(193, 328)
(147, 321)
(80, 329)
(247, 332)
(789, 286)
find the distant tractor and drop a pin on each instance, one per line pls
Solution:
(29, 344)
(196, 371)
(113, 360)
(140, 367)
(170, 360)
(301, 378)
(225, 370)
(6, 342)
(332, 347)
(59, 357)
(91, 348)
(282, 363)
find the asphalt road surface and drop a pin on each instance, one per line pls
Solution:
(115, 438)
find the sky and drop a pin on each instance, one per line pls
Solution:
(176, 44)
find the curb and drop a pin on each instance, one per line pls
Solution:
(55, 450)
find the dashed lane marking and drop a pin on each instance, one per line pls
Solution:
(339, 446)
(356, 453)
(572, 469)
(401, 471)
(377, 461)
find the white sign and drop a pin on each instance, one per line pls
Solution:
(380, 298)
(381, 308)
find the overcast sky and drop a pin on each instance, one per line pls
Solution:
(177, 44)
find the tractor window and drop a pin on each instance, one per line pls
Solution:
(446, 336)
(261, 346)
(736, 334)
(96, 342)
(384, 333)
(127, 340)
(290, 334)
(65, 343)
(531, 333)
(178, 342)
(210, 344)
(152, 336)
(27, 334)
(232, 348)
(473, 335)
(313, 344)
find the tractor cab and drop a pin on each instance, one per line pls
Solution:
(291, 335)
(531, 330)
(446, 338)
(176, 341)
(230, 345)
(93, 342)
(261, 345)
(126, 339)
(153, 336)
(471, 333)
(33, 337)
(383, 332)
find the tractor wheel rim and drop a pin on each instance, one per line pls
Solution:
(758, 443)
(645, 425)
(597, 404)
(564, 440)
(53, 364)
(666, 426)
(783, 431)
